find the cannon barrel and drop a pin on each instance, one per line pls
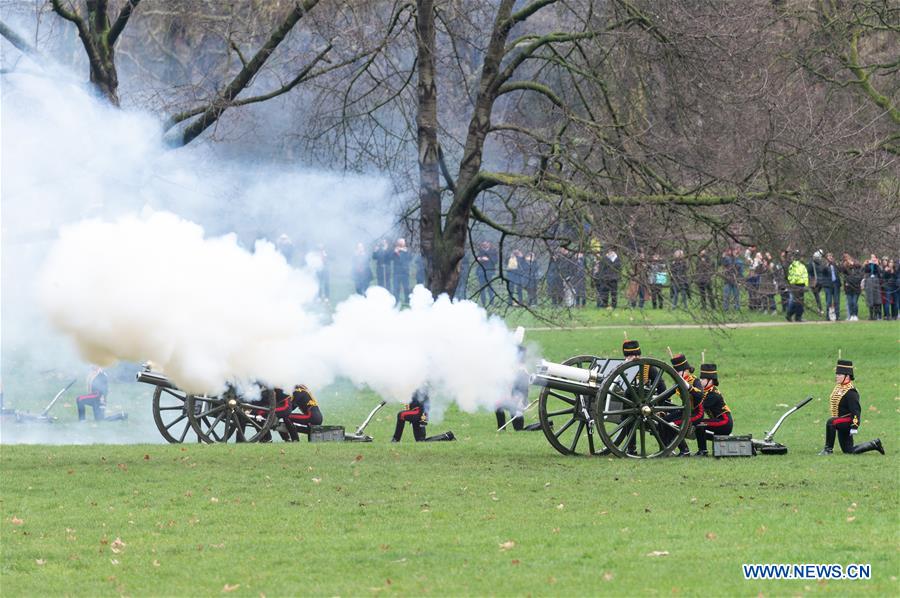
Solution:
(155, 378)
(566, 378)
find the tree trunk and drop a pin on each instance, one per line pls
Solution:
(426, 126)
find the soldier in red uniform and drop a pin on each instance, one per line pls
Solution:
(98, 388)
(686, 371)
(298, 411)
(718, 420)
(416, 413)
(845, 413)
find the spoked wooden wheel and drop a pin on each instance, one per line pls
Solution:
(564, 415)
(637, 403)
(170, 414)
(219, 419)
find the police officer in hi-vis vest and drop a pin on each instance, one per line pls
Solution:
(845, 413)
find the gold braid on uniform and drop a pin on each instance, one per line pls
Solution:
(645, 373)
(836, 395)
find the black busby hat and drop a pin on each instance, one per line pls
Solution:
(680, 363)
(709, 371)
(631, 348)
(844, 368)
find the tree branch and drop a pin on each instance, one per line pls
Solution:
(121, 20)
(17, 41)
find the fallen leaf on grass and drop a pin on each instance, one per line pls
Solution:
(230, 588)
(607, 576)
(117, 546)
(146, 457)
(873, 408)
(114, 561)
(316, 480)
(507, 545)
(711, 536)
(17, 521)
(358, 458)
(40, 561)
(851, 519)
(658, 553)
(782, 405)
(560, 507)
(155, 563)
(515, 561)
(213, 499)
(122, 466)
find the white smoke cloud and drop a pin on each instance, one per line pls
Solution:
(143, 254)
(208, 311)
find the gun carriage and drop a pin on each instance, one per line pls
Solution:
(593, 405)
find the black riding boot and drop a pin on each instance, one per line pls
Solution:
(872, 445)
(398, 431)
(446, 436)
(418, 431)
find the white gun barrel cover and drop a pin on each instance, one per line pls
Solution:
(567, 372)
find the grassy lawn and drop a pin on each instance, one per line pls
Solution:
(488, 515)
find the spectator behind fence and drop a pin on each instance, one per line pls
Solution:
(554, 277)
(382, 256)
(659, 277)
(608, 271)
(852, 273)
(779, 271)
(680, 287)
(462, 285)
(361, 269)
(889, 307)
(528, 270)
(872, 286)
(752, 281)
(577, 278)
(400, 261)
(768, 287)
(798, 279)
(513, 275)
(637, 290)
(817, 278)
(732, 273)
(485, 270)
(832, 285)
(703, 276)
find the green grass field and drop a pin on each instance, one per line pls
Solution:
(492, 514)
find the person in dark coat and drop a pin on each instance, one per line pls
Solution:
(831, 283)
(852, 274)
(817, 278)
(530, 274)
(679, 279)
(872, 286)
(485, 271)
(608, 274)
(845, 414)
(361, 270)
(382, 256)
(703, 276)
(400, 261)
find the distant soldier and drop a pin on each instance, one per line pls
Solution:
(718, 420)
(416, 414)
(845, 413)
(298, 411)
(98, 388)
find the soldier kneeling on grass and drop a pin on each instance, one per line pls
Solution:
(686, 371)
(718, 420)
(416, 413)
(845, 413)
(297, 411)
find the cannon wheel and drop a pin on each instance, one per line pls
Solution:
(566, 430)
(626, 404)
(218, 419)
(170, 414)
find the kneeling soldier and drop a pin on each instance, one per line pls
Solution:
(718, 421)
(686, 371)
(845, 412)
(98, 387)
(416, 413)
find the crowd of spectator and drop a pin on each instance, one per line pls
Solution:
(739, 278)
